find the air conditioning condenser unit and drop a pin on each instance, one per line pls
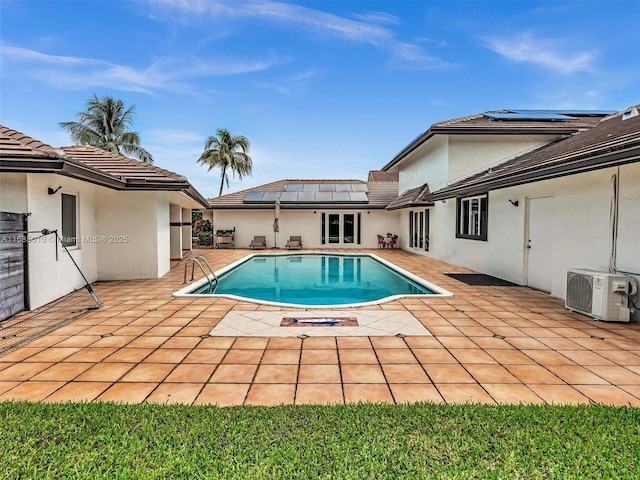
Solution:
(600, 295)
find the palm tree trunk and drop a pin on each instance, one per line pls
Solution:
(224, 174)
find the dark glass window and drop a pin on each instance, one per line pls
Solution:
(334, 228)
(348, 227)
(69, 221)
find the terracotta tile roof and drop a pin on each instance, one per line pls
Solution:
(380, 176)
(21, 153)
(612, 142)
(16, 145)
(379, 195)
(486, 123)
(133, 172)
(411, 198)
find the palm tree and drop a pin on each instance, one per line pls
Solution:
(228, 152)
(105, 124)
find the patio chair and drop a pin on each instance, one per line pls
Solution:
(381, 242)
(393, 241)
(259, 242)
(294, 243)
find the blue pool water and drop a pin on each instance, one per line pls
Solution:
(314, 279)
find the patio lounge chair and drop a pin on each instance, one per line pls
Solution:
(259, 242)
(294, 243)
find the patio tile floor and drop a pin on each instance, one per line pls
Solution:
(497, 345)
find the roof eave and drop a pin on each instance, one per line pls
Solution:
(48, 165)
(409, 205)
(484, 130)
(301, 206)
(536, 173)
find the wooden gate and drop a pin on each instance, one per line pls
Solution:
(13, 264)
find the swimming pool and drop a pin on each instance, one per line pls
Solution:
(312, 280)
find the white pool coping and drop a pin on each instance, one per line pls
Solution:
(438, 291)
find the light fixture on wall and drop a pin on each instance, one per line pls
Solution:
(444, 200)
(51, 191)
(515, 203)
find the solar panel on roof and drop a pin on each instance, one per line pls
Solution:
(360, 187)
(294, 187)
(270, 196)
(311, 187)
(358, 197)
(324, 196)
(306, 196)
(288, 196)
(343, 187)
(528, 116)
(327, 187)
(253, 197)
(340, 196)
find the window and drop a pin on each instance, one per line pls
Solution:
(69, 220)
(472, 214)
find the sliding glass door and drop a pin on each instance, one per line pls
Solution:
(340, 228)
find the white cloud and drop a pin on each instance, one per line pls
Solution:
(526, 48)
(67, 72)
(378, 17)
(364, 32)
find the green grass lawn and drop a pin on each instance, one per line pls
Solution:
(100, 440)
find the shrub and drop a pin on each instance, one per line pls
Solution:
(205, 238)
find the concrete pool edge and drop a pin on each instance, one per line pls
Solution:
(185, 292)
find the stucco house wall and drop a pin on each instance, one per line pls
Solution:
(580, 222)
(469, 154)
(127, 223)
(429, 161)
(51, 277)
(307, 223)
(121, 235)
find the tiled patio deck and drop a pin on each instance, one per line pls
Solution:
(489, 344)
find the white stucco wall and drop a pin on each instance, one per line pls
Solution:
(249, 223)
(580, 225)
(49, 278)
(127, 223)
(427, 164)
(13, 192)
(163, 230)
(121, 235)
(470, 154)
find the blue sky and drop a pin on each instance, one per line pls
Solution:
(322, 89)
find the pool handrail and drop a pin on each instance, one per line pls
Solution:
(196, 260)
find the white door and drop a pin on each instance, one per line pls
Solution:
(540, 243)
